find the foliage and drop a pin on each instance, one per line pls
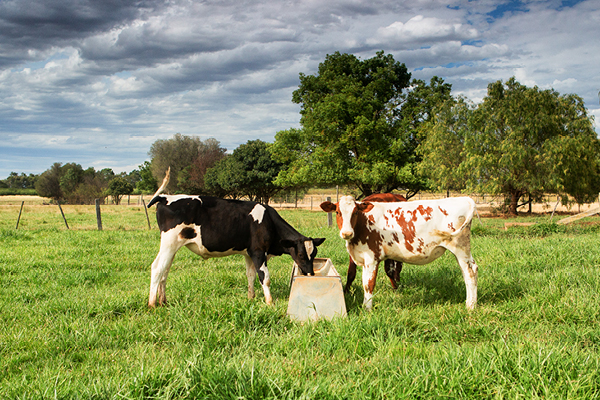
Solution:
(48, 184)
(18, 192)
(442, 150)
(250, 172)
(75, 322)
(180, 152)
(19, 181)
(358, 126)
(73, 184)
(70, 177)
(118, 187)
(191, 178)
(224, 178)
(147, 182)
(519, 142)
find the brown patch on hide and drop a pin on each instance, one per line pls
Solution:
(363, 233)
(408, 224)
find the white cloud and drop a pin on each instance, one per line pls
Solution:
(420, 29)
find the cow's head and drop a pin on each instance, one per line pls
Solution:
(346, 211)
(303, 252)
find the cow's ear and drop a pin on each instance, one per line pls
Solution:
(328, 206)
(318, 241)
(365, 206)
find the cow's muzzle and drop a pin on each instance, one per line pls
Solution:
(347, 235)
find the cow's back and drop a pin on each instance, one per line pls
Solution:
(416, 231)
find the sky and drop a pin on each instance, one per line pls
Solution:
(97, 82)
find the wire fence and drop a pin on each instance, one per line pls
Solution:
(32, 212)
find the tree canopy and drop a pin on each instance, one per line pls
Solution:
(249, 171)
(184, 154)
(359, 121)
(118, 187)
(146, 183)
(73, 184)
(518, 142)
(19, 181)
(191, 178)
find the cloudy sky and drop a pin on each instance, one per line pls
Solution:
(96, 82)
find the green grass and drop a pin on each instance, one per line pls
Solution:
(74, 322)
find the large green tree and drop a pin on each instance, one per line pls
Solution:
(178, 152)
(442, 148)
(520, 142)
(359, 121)
(191, 178)
(48, 184)
(119, 187)
(249, 171)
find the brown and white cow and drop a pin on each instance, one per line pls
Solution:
(415, 232)
(213, 227)
(392, 267)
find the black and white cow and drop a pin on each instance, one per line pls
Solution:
(214, 227)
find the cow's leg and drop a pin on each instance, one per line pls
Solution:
(260, 264)
(392, 270)
(158, 281)
(369, 278)
(169, 245)
(351, 275)
(469, 267)
(251, 275)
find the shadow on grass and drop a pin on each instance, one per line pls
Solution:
(420, 285)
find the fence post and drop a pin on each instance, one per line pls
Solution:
(20, 211)
(63, 214)
(98, 215)
(146, 210)
(329, 216)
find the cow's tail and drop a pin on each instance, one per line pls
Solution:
(162, 187)
(466, 223)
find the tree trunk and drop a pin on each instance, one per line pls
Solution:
(515, 195)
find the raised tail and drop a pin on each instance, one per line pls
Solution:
(162, 187)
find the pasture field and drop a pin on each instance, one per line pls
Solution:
(75, 324)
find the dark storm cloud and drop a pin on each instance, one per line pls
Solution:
(29, 26)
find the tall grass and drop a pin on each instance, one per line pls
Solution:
(74, 322)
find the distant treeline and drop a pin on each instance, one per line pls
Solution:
(17, 192)
(15, 183)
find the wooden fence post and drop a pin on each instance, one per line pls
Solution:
(63, 214)
(20, 211)
(146, 210)
(98, 215)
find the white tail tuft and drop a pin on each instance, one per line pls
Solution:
(164, 184)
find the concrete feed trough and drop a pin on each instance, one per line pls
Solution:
(316, 297)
